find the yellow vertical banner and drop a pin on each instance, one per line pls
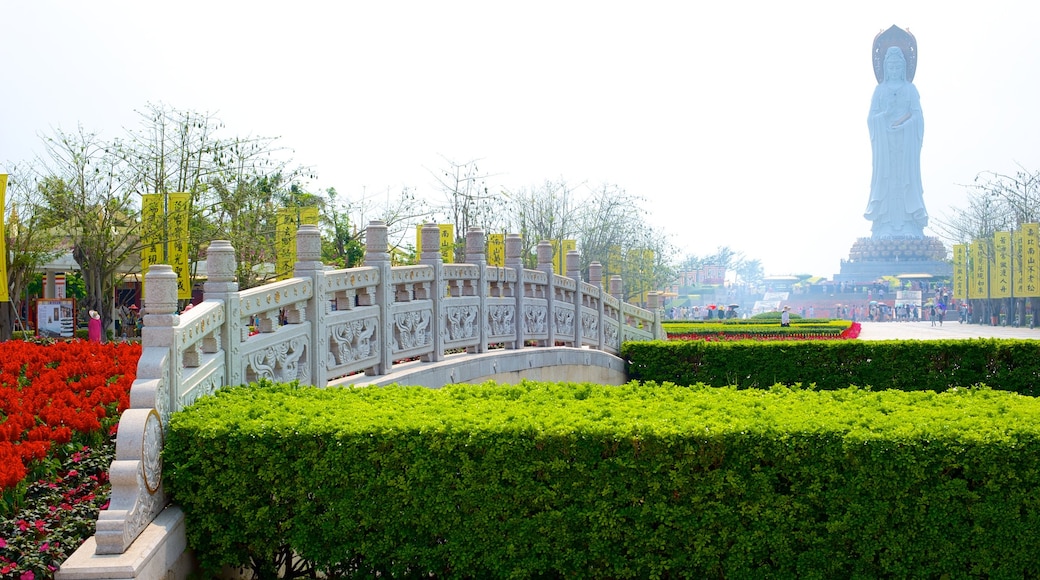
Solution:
(496, 250)
(5, 295)
(979, 287)
(309, 216)
(447, 243)
(960, 271)
(153, 215)
(284, 240)
(1030, 260)
(1018, 287)
(1000, 277)
(560, 249)
(178, 213)
(613, 262)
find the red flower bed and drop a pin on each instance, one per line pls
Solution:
(59, 405)
(54, 393)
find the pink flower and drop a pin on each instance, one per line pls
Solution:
(44, 547)
(23, 525)
(27, 575)
(3, 543)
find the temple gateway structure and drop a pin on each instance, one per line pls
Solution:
(897, 245)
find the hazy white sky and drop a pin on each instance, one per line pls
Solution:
(742, 123)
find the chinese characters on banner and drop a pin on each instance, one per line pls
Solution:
(4, 296)
(164, 236)
(1030, 246)
(496, 250)
(179, 206)
(1000, 284)
(447, 242)
(960, 271)
(979, 268)
(289, 220)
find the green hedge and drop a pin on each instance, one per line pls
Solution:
(1012, 365)
(752, 328)
(588, 481)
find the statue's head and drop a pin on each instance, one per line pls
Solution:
(895, 64)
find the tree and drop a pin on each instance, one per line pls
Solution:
(87, 194)
(996, 202)
(28, 242)
(236, 183)
(468, 203)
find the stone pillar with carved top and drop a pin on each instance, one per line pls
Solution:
(596, 280)
(515, 262)
(431, 256)
(377, 255)
(544, 251)
(476, 254)
(617, 291)
(309, 265)
(222, 284)
(573, 262)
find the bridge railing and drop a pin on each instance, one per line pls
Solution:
(322, 325)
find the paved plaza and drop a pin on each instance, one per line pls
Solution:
(925, 331)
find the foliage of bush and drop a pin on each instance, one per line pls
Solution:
(757, 329)
(636, 481)
(1011, 365)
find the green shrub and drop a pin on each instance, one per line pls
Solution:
(636, 481)
(1012, 365)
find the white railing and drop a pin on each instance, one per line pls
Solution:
(323, 325)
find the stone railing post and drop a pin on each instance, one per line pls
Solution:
(573, 263)
(544, 251)
(476, 254)
(514, 260)
(222, 284)
(596, 279)
(137, 494)
(377, 255)
(655, 304)
(430, 255)
(617, 291)
(309, 265)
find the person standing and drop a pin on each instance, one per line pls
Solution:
(94, 327)
(785, 316)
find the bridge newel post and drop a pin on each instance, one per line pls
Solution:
(655, 303)
(513, 246)
(309, 265)
(544, 251)
(573, 263)
(222, 284)
(476, 254)
(617, 291)
(596, 279)
(430, 255)
(377, 255)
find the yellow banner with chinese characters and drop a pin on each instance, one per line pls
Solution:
(447, 243)
(152, 217)
(287, 222)
(960, 271)
(179, 211)
(5, 295)
(979, 287)
(496, 250)
(1000, 276)
(284, 240)
(560, 249)
(1030, 261)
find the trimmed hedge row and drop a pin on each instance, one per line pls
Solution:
(638, 481)
(908, 365)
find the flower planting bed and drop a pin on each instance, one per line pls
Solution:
(59, 405)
